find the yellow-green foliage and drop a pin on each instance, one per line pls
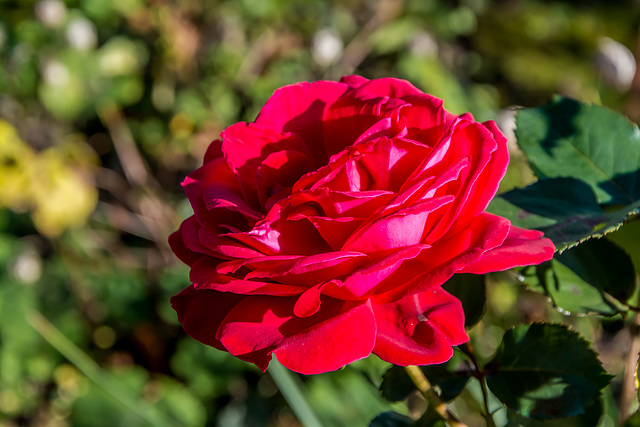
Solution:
(54, 185)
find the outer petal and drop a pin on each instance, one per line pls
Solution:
(419, 329)
(342, 339)
(522, 247)
(202, 311)
(246, 146)
(299, 109)
(195, 184)
(354, 80)
(391, 87)
(352, 115)
(190, 234)
(337, 334)
(426, 119)
(176, 242)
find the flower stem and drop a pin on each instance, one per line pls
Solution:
(120, 393)
(485, 398)
(423, 385)
(292, 392)
(468, 350)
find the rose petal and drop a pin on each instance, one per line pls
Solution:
(308, 303)
(220, 195)
(419, 329)
(348, 335)
(447, 256)
(245, 146)
(352, 115)
(176, 242)
(195, 184)
(275, 235)
(311, 270)
(349, 176)
(337, 204)
(339, 333)
(426, 188)
(204, 275)
(353, 80)
(391, 87)
(404, 227)
(395, 268)
(190, 233)
(488, 163)
(202, 311)
(521, 247)
(426, 119)
(299, 108)
(335, 231)
(214, 150)
(277, 174)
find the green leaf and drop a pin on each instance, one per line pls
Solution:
(567, 138)
(604, 265)
(546, 371)
(471, 290)
(391, 419)
(594, 277)
(448, 379)
(627, 238)
(590, 418)
(396, 384)
(565, 209)
(567, 291)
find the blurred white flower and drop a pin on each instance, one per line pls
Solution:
(327, 46)
(615, 63)
(81, 34)
(27, 268)
(424, 45)
(51, 12)
(55, 73)
(506, 121)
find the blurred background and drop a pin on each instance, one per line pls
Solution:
(105, 106)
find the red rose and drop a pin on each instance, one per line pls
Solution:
(323, 231)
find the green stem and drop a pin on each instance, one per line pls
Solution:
(468, 350)
(485, 398)
(423, 385)
(291, 389)
(95, 373)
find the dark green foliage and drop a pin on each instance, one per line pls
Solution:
(594, 277)
(448, 379)
(471, 289)
(391, 419)
(590, 418)
(546, 371)
(565, 209)
(567, 138)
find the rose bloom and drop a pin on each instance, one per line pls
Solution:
(323, 231)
